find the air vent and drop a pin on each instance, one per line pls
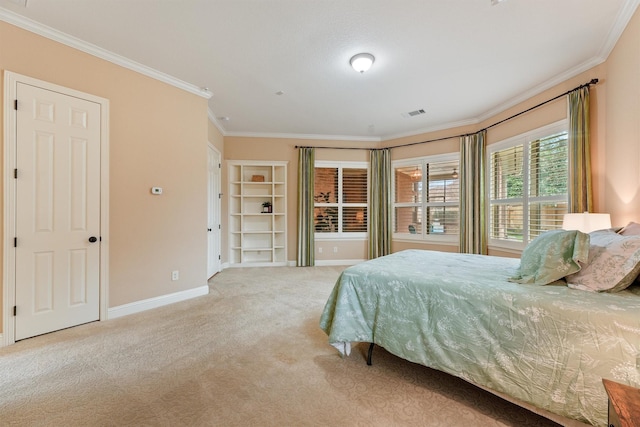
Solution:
(413, 113)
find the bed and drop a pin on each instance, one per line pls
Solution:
(546, 346)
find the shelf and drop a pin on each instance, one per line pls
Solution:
(256, 237)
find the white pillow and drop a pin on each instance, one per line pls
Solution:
(632, 229)
(613, 264)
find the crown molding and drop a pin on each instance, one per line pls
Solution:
(444, 126)
(305, 136)
(74, 42)
(216, 123)
(560, 78)
(622, 20)
(624, 16)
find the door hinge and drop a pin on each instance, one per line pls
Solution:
(219, 195)
(15, 242)
(219, 256)
(15, 173)
(219, 165)
(219, 227)
(15, 104)
(15, 310)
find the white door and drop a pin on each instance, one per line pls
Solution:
(57, 211)
(213, 218)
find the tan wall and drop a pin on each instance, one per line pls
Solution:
(215, 137)
(277, 149)
(622, 123)
(158, 137)
(615, 143)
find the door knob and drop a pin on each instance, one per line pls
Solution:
(93, 239)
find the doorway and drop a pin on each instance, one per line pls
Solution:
(55, 206)
(214, 231)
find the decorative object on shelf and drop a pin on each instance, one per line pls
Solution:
(266, 207)
(257, 178)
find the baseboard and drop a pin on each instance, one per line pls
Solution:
(148, 304)
(293, 263)
(338, 262)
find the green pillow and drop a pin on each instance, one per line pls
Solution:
(552, 256)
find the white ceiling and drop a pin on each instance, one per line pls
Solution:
(459, 60)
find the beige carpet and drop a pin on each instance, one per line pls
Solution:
(248, 354)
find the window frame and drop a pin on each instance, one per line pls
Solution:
(423, 236)
(344, 235)
(525, 139)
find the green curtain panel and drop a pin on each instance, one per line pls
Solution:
(580, 191)
(473, 225)
(380, 203)
(306, 170)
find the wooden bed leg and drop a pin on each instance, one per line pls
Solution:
(369, 354)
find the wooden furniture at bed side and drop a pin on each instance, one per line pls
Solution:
(624, 404)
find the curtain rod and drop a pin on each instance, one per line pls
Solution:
(591, 82)
(335, 148)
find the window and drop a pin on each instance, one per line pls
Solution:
(426, 198)
(528, 185)
(340, 199)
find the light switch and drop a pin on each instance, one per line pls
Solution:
(156, 190)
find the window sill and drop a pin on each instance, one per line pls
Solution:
(506, 249)
(426, 241)
(319, 237)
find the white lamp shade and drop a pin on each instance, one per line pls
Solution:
(586, 222)
(362, 62)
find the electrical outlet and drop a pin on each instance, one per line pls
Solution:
(175, 275)
(335, 249)
(320, 250)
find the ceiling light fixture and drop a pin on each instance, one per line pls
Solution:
(362, 62)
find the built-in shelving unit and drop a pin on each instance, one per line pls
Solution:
(257, 234)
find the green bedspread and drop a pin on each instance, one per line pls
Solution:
(549, 345)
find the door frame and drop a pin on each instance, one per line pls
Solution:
(218, 205)
(11, 81)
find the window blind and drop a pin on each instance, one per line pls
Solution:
(340, 200)
(528, 188)
(354, 200)
(427, 198)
